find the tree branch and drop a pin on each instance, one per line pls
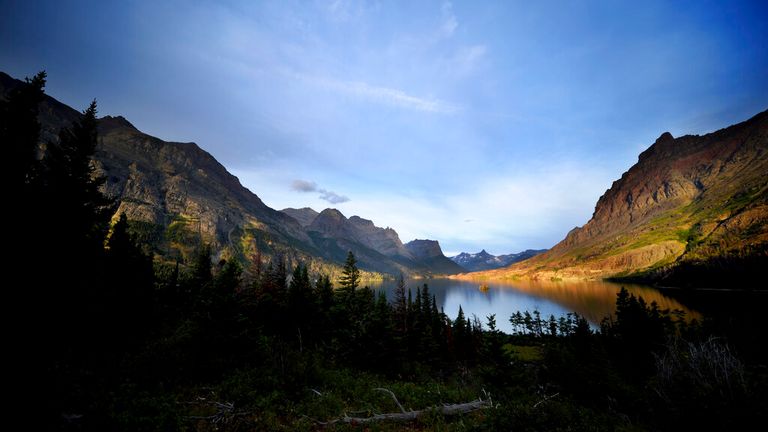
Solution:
(381, 389)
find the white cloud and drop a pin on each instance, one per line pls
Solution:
(467, 58)
(349, 10)
(383, 95)
(449, 21)
(507, 213)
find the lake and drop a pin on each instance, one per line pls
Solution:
(593, 300)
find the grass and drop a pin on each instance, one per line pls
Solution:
(331, 394)
(525, 353)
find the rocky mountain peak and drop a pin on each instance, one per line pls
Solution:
(357, 220)
(424, 248)
(109, 122)
(664, 137)
(486, 261)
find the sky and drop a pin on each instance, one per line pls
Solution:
(484, 125)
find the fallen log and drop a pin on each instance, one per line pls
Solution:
(445, 409)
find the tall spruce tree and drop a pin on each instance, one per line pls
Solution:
(350, 277)
(20, 132)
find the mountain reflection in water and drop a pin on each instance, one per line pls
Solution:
(594, 300)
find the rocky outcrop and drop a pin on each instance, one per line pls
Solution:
(687, 202)
(431, 255)
(304, 216)
(424, 248)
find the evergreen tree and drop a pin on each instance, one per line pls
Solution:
(301, 302)
(130, 281)
(350, 278)
(72, 187)
(325, 305)
(324, 293)
(460, 335)
(20, 133)
(400, 309)
(202, 268)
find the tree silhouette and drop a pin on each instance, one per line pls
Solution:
(20, 131)
(350, 278)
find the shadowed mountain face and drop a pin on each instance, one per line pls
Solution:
(304, 216)
(692, 208)
(375, 247)
(430, 253)
(485, 261)
(177, 195)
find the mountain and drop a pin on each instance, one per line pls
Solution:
(176, 195)
(304, 216)
(430, 253)
(485, 261)
(693, 210)
(377, 248)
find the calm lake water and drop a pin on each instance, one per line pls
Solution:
(593, 300)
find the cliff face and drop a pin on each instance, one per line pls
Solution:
(692, 199)
(161, 182)
(304, 215)
(430, 253)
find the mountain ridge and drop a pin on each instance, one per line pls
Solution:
(177, 196)
(691, 204)
(486, 261)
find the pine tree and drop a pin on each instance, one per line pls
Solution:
(324, 293)
(20, 132)
(301, 301)
(460, 335)
(73, 188)
(350, 278)
(130, 281)
(400, 309)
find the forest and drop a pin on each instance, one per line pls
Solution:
(112, 339)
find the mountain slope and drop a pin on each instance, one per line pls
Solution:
(176, 190)
(694, 204)
(485, 261)
(176, 196)
(165, 183)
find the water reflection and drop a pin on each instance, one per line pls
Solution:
(593, 300)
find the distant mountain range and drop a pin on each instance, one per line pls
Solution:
(176, 196)
(485, 261)
(692, 211)
(376, 248)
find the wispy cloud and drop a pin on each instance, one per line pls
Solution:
(467, 58)
(310, 186)
(450, 22)
(383, 95)
(332, 197)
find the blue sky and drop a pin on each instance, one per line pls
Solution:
(491, 125)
